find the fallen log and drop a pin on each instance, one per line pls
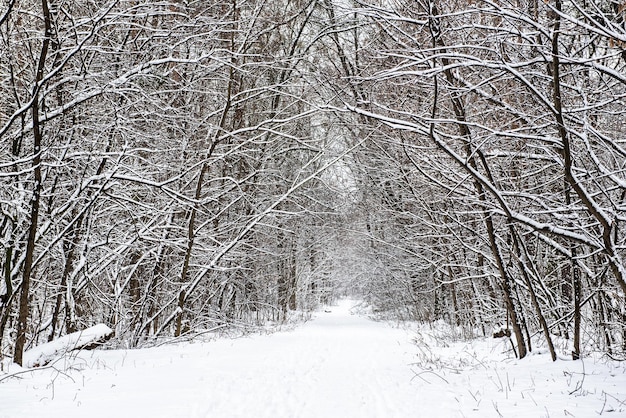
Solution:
(81, 340)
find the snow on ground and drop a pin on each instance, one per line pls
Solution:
(337, 365)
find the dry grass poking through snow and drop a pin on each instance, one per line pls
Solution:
(483, 377)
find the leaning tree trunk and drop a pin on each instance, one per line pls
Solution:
(518, 245)
(464, 132)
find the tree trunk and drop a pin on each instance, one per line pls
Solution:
(22, 323)
(524, 269)
(464, 132)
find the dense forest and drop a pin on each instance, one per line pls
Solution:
(172, 167)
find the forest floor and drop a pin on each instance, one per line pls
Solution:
(339, 364)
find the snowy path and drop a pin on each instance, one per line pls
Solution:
(337, 365)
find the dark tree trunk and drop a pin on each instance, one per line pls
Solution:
(22, 322)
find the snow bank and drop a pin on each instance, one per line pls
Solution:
(45, 353)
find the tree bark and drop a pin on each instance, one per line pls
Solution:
(521, 256)
(22, 323)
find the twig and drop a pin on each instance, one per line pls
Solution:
(36, 369)
(495, 406)
(579, 384)
(428, 371)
